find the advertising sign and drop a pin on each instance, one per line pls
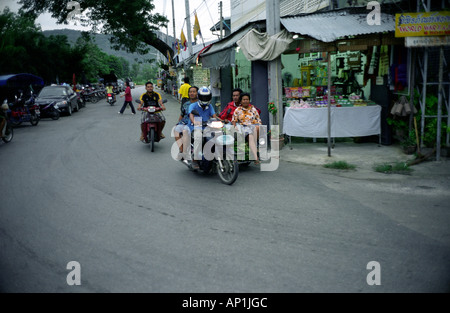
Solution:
(432, 41)
(422, 24)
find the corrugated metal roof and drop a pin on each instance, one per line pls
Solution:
(329, 26)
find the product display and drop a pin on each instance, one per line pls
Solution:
(301, 97)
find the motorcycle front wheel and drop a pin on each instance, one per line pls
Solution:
(9, 133)
(230, 171)
(34, 119)
(152, 139)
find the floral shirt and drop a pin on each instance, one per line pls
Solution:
(247, 116)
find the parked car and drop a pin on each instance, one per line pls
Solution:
(132, 86)
(64, 97)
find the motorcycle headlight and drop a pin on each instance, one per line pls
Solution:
(215, 124)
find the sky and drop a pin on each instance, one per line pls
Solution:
(207, 12)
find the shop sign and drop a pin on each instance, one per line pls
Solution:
(432, 41)
(422, 24)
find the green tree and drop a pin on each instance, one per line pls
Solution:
(24, 49)
(135, 68)
(18, 35)
(130, 23)
(147, 72)
(94, 61)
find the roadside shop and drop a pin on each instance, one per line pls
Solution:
(339, 74)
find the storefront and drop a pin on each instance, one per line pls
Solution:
(330, 75)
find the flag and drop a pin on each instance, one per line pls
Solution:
(197, 30)
(169, 59)
(183, 40)
(176, 46)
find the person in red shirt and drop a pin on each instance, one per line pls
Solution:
(227, 114)
(128, 99)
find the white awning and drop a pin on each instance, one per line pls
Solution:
(329, 26)
(260, 46)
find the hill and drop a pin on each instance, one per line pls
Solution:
(103, 43)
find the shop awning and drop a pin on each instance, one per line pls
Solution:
(222, 53)
(261, 46)
(330, 26)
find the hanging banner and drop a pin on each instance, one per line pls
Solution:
(422, 24)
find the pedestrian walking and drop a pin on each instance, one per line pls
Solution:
(128, 99)
(184, 92)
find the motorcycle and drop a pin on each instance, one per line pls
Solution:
(217, 155)
(111, 99)
(89, 95)
(81, 102)
(24, 111)
(152, 124)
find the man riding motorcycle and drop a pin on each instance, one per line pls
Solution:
(151, 98)
(205, 112)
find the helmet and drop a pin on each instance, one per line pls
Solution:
(204, 95)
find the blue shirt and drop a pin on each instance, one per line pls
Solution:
(205, 114)
(185, 114)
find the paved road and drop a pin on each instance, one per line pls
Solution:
(84, 189)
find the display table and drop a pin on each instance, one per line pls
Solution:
(345, 122)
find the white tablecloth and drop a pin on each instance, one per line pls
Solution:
(345, 122)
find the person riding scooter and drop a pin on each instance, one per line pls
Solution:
(151, 98)
(110, 90)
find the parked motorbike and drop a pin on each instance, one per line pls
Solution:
(218, 152)
(80, 100)
(152, 124)
(24, 111)
(89, 95)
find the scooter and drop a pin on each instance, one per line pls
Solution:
(111, 98)
(24, 111)
(151, 122)
(217, 154)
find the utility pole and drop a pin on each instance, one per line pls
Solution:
(221, 19)
(189, 29)
(173, 22)
(274, 66)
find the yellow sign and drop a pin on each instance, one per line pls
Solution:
(422, 24)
